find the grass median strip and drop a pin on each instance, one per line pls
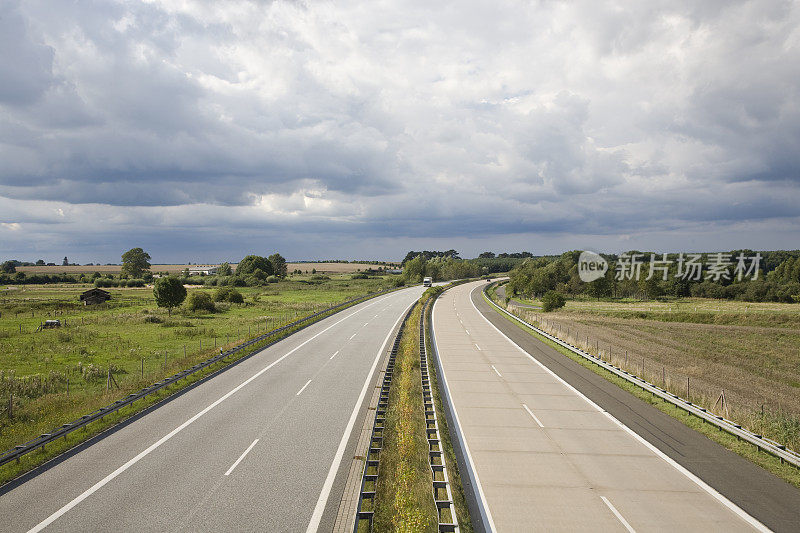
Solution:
(404, 499)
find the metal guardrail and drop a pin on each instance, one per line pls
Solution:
(770, 446)
(365, 510)
(62, 431)
(442, 493)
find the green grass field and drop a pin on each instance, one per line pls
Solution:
(52, 376)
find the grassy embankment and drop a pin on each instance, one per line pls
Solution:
(54, 376)
(756, 361)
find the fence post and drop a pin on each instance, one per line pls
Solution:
(142, 367)
(687, 389)
(165, 359)
(10, 405)
(184, 351)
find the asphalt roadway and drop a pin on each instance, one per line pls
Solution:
(258, 447)
(554, 446)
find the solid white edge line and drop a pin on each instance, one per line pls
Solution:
(496, 371)
(353, 335)
(319, 509)
(239, 460)
(533, 415)
(618, 515)
(303, 388)
(478, 484)
(335, 354)
(699, 482)
(478, 347)
(97, 486)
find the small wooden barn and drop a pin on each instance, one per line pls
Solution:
(95, 296)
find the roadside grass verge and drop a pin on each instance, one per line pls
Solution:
(40, 414)
(770, 463)
(404, 498)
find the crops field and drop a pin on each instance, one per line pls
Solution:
(323, 268)
(51, 376)
(751, 351)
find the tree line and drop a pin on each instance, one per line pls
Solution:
(777, 280)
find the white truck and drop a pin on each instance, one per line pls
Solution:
(427, 282)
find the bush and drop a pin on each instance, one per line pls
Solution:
(227, 294)
(222, 294)
(153, 320)
(552, 300)
(200, 301)
(272, 279)
(359, 276)
(135, 283)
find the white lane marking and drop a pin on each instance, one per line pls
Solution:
(699, 482)
(478, 347)
(303, 388)
(533, 415)
(618, 515)
(97, 486)
(465, 329)
(335, 354)
(365, 324)
(239, 460)
(495, 371)
(474, 470)
(353, 335)
(316, 516)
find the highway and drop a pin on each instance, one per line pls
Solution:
(259, 447)
(554, 446)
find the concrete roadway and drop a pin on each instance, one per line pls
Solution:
(257, 448)
(556, 447)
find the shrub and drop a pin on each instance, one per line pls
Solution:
(272, 279)
(235, 297)
(153, 319)
(222, 294)
(200, 301)
(552, 300)
(359, 276)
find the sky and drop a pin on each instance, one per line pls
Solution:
(203, 131)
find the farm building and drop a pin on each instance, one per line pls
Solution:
(202, 270)
(95, 296)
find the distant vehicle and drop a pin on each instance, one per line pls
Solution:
(426, 282)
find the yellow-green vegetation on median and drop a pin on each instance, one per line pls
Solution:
(53, 376)
(404, 499)
(769, 462)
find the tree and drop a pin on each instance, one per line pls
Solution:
(487, 255)
(169, 292)
(40, 262)
(251, 263)
(225, 270)
(278, 264)
(200, 301)
(552, 300)
(134, 262)
(8, 267)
